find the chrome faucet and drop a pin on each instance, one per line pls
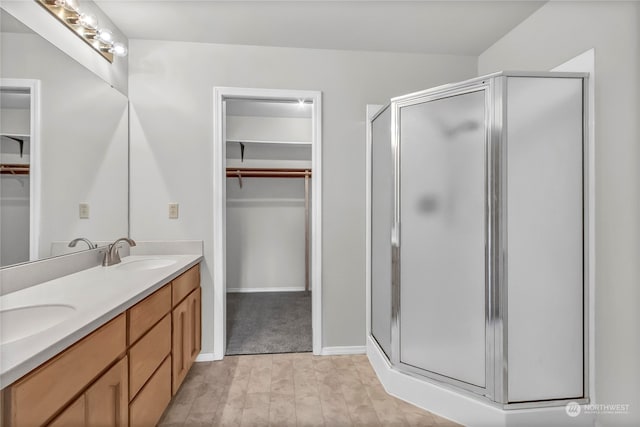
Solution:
(112, 257)
(74, 242)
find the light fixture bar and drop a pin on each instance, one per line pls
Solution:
(71, 18)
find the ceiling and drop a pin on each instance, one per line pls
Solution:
(436, 27)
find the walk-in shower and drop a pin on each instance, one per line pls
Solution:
(479, 237)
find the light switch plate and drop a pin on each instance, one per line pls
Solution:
(83, 210)
(173, 210)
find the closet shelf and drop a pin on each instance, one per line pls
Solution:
(259, 141)
(16, 135)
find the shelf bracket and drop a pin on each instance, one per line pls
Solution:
(241, 152)
(19, 141)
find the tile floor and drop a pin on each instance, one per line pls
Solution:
(296, 389)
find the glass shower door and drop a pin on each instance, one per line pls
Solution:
(381, 222)
(442, 235)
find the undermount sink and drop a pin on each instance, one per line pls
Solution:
(21, 322)
(145, 264)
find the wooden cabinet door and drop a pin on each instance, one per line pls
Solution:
(186, 337)
(181, 333)
(39, 395)
(73, 416)
(195, 318)
(104, 404)
(107, 400)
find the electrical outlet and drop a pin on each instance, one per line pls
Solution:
(83, 210)
(173, 210)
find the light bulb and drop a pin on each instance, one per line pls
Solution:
(71, 5)
(88, 21)
(118, 49)
(105, 36)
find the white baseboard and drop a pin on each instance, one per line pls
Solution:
(205, 357)
(273, 289)
(462, 408)
(332, 351)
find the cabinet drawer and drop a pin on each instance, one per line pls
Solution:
(35, 398)
(148, 312)
(147, 408)
(184, 284)
(146, 355)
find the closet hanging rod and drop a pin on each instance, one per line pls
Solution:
(14, 169)
(267, 173)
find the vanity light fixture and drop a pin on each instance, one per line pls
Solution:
(85, 26)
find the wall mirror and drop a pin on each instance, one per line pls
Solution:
(63, 149)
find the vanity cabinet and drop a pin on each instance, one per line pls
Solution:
(168, 324)
(186, 302)
(123, 374)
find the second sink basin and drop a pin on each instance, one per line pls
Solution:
(21, 322)
(145, 264)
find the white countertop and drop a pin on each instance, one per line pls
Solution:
(97, 294)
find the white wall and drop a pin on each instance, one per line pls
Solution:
(84, 144)
(265, 234)
(15, 120)
(42, 22)
(171, 92)
(554, 34)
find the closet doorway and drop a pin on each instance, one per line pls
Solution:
(267, 205)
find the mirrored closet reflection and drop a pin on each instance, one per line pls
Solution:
(15, 150)
(268, 226)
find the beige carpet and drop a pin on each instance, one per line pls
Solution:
(268, 322)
